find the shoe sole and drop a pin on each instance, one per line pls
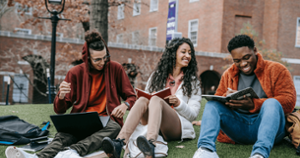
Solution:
(13, 152)
(145, 147)
(109, 148)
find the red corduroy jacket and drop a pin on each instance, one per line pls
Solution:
(116, 81)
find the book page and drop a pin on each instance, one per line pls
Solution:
(249, 92)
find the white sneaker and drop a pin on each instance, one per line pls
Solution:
(201, 153)
(70, 153)
(256, 156)
(14, 152)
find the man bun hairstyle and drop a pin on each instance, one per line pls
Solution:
(94, 40)
(240, 41)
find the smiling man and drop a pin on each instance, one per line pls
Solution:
(248, 121)
(97, 85)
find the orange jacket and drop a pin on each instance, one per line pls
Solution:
(275, 79)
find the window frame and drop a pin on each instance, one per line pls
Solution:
(150, 37)
(151, 6)
(121, 16)
(135, 4)
(189, 30)
(297, 33)
(118, 38)
(18, 5)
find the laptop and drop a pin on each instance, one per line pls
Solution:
(80, 125)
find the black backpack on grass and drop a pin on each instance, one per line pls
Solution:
(14, 131)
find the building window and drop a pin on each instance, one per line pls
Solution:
(152, 36)
(136, 7)
(119, 38)
(22, 31)
(193, 0)
(135, 37)
(20, 91)
(153, 5)
(23, 9)
(298, 33)
(121, 12)
(193, 31)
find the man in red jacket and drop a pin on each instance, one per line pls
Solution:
(95, 85)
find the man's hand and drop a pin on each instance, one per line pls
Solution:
(64, 88)
(245, 104)
(119, 111)
(173, 100)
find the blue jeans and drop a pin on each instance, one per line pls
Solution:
(262, 129)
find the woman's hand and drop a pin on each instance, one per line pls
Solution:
(64, 88)
(173, 100)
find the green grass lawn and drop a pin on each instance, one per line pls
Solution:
(36, 114)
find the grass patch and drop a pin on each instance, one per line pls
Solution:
(38, 113)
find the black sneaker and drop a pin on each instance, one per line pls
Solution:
(112, 148)
(147, 147)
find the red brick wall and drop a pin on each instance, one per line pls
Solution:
(233, 8)
(287, 22)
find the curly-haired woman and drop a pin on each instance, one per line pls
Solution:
(177, 69)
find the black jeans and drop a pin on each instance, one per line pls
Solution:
(84, 146)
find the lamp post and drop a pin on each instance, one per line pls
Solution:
(54, 19)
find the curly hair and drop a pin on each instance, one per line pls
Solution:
(94, 40)
(168, 62)
(240, 41)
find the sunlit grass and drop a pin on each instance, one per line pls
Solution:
(36, 114)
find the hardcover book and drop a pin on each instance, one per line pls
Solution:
(239, 95)
(162, 94)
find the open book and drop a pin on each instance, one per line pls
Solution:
(162, 93)
(249, 92)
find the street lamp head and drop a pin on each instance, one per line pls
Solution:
(59, 2)
(54, 1)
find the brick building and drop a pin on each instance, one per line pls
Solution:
(137, 34)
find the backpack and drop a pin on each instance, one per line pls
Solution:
(292, 127)
(14, 131)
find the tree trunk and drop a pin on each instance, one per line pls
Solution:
(98, 17)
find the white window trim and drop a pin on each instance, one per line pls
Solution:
(149, 39)
(135, 13)
(26, 13)
(297, 32)
(29, 31)
(118, 38)
(151, 7)
(189, 30)
(191, 1)
(123, 14)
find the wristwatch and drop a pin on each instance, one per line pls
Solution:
(127, 104)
